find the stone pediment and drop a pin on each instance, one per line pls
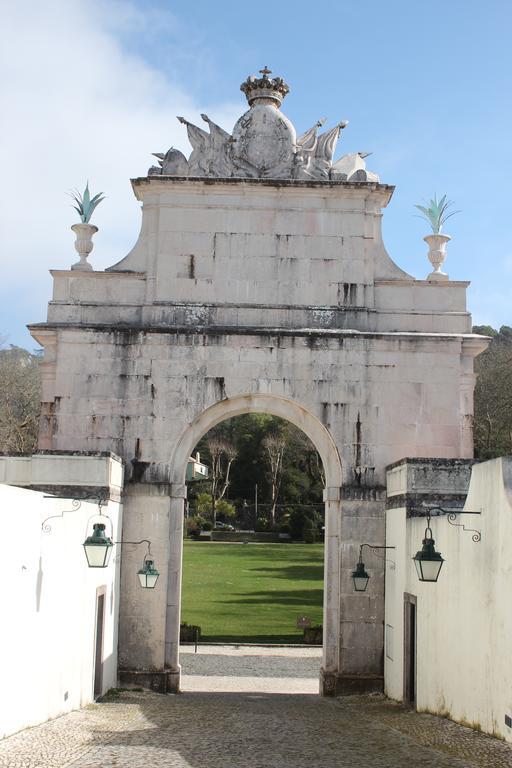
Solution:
(263, 145)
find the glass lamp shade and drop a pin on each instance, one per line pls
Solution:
(148, 575)
(360, 578)
(428, 562)
(98, 547)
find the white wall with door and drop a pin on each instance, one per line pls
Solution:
(50, 642)
(459, 651)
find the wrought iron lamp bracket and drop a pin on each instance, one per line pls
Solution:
(373, 548)
(451, 516)
(76, 504)
(142, 541)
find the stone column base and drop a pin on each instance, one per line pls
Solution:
(164, 681)
(336, 684)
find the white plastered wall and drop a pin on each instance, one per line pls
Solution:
(48, 608)
(464, 621)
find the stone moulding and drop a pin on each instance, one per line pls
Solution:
(416, 484)
(65, 474)
(288, 183)
(251, 331)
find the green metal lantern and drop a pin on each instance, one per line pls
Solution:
(360, 577)
(148, 574)
(98, 547)
(427, 560)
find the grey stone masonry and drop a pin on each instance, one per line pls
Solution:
(418, 484)
(245, 293)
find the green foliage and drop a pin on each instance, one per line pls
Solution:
(493, 395)
(308, 531)
(85, 204)
(203, 505)
(194, 525)
(252, 592)
(225, 510)
(437, 213)
(302, 524)
(485, 330)
(302, 473)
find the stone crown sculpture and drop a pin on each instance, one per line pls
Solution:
(264, 88)
(263, 145)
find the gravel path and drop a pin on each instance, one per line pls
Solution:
(250, 668)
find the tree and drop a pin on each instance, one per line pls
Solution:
(299, 482)
(203, 505)
(275, 445)
(222, 455)
(493, 395)
(225, 509)
(20, 403)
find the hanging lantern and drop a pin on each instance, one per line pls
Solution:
(98, 547)
(428, 562)
(360, 577)
(148, 574)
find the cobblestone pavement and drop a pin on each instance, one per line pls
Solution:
(223, 730)
(260, 669)
(137, 729)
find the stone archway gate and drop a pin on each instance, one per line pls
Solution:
(245, 293)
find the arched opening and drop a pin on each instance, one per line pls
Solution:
(272, 404)
(319, 436)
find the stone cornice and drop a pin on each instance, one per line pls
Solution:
(408, 283)
(228, 182)
(220, 330)
(419, 504)
(444, 462)
(96, 273)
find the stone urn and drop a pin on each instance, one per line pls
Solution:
(83, 244)
(437, 255)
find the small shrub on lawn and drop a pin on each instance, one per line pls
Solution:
(194, 525)
(308, 531)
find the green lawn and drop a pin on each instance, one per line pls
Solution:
(252, 592)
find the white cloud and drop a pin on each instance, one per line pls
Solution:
(78, 105)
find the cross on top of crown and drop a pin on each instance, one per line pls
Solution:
(265, 71)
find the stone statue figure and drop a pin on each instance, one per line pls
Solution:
(219, 147)
(200, 140)
(307, 141)
(172, 163)
(263, 145)
(352, 168)
(326, 144)
(306, 146)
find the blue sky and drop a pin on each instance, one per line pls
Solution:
(91, 89)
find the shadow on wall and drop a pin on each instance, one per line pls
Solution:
(39, 585)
